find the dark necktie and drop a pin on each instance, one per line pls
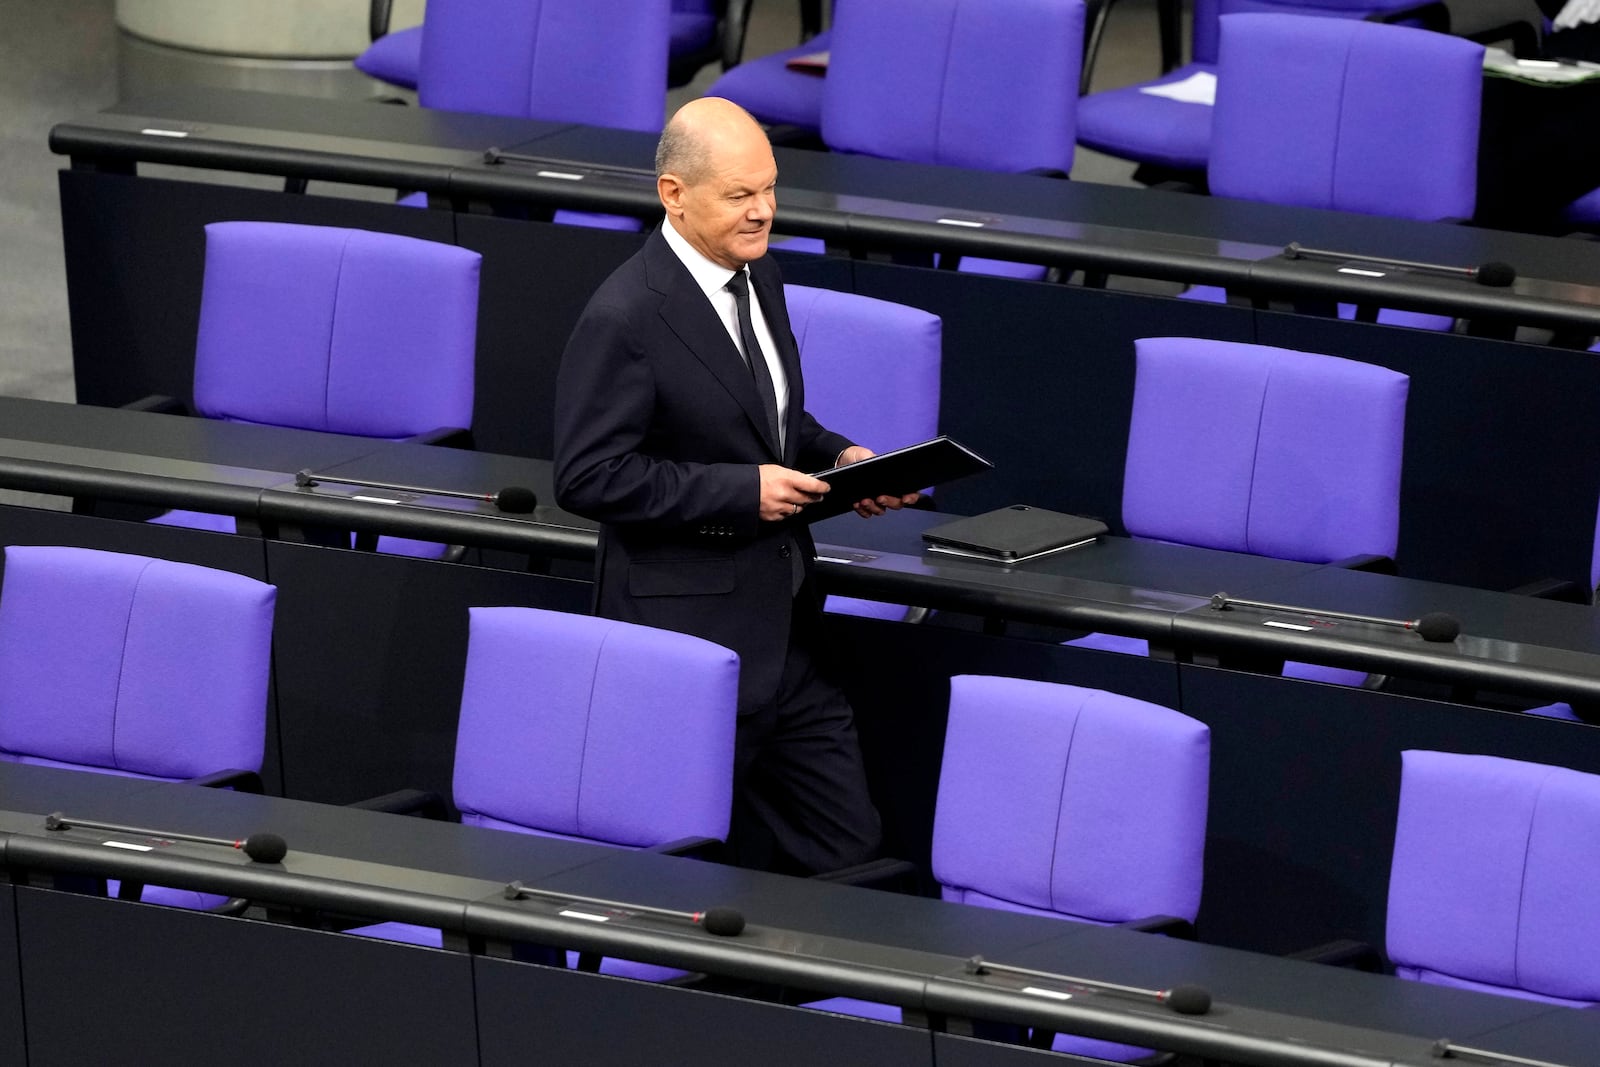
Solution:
(739, 286)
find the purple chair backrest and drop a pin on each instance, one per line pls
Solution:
(1264, 450)
(1348, 115)
(132, 665)
(598, 62)
(323, 328)
(985, 84)
(1493, 883)
(871, 366)
(1071, 801)
(576, 726)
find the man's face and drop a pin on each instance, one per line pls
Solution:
(727, 214)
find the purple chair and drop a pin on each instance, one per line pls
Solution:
(594, 730)
(983, 84)
(1328, 131)
(703, 31)
(345, 331)
(872, 374)
(1493, 861)
(1228, 449)
(1071, 803)
(138, 667)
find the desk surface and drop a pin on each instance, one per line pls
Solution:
(838, 938)
(858, 201)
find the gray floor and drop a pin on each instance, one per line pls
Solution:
(64, 58)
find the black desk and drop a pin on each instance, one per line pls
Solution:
(176, 984)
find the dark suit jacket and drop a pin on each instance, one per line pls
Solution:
(658, 433)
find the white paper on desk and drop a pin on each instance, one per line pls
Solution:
(1198, 88)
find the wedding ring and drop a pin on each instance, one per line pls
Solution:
(797, 509)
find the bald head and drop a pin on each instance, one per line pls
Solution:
(716, 177)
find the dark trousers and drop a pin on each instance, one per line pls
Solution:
(800, 801)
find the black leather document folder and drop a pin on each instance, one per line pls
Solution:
(1013, 534)
(905, 470)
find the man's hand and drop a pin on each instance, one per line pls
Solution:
(874, 506)
(784, 492)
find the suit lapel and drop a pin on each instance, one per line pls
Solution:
(689, 315)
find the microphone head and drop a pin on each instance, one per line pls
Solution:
(1438, 626)
(1188, 999)
(724, 922)
(1495, 273)
(265, 848)
(517, 499)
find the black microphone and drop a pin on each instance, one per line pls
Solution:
(1495, 274)
(1445, 1049)
(261, 847)
(724, 922)
(1435, 626)
(516, 499)
(1183, 999)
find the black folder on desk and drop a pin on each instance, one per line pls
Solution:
(1013, 534)
(905, 470)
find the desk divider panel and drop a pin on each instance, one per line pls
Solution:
(109, 982)
(135, 256)
(12, 1048)
(370, 656)
(1305, 787)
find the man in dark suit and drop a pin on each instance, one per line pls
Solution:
(681, 427)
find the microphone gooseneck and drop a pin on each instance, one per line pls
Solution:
(722, 921)
(1494, 273)
(1184, 999)
(513, 499)
(260, 847)
(1436, 626)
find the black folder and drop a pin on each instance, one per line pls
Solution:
(905, 470)
(1013, 534)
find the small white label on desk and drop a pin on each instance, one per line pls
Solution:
(1287, 625)
(563, 175)
(1052, 994)
(1361, 271)
(153, 132)
(378, 499)
(974, 223)
(130, 847)
(833, 559)
(568, 913)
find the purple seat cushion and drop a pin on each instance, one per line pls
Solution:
(137, 665)
(324, 328)
(595, 728)
(1044, 788)
(1131, 124)
(1584, 211)
(394, 58)
(1495, 861)
(773, 93)
(1328, 131)
(510, 57)
(986, 84)
(1226, 449)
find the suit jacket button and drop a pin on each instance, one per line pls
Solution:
(784, 551)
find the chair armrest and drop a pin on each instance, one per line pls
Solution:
(692, 847)
(735, 24)
(1358, 955)
(448, 436)
(1048, 172)
(378, 18)
(422, 802)
(1368, 562)
(1170, 925)
(873, 872)
(167, 405)
(1562, 589)
(240, 780)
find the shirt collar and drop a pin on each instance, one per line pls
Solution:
(709, 276)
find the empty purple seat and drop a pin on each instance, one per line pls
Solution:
(872, 374)
(590, 729)
(1494, 861)
(394, 58)
(139, 667)
(776, 94)
(1228, 449)
(1071, 803)
(340, 330)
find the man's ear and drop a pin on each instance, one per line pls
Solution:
(670, 189)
